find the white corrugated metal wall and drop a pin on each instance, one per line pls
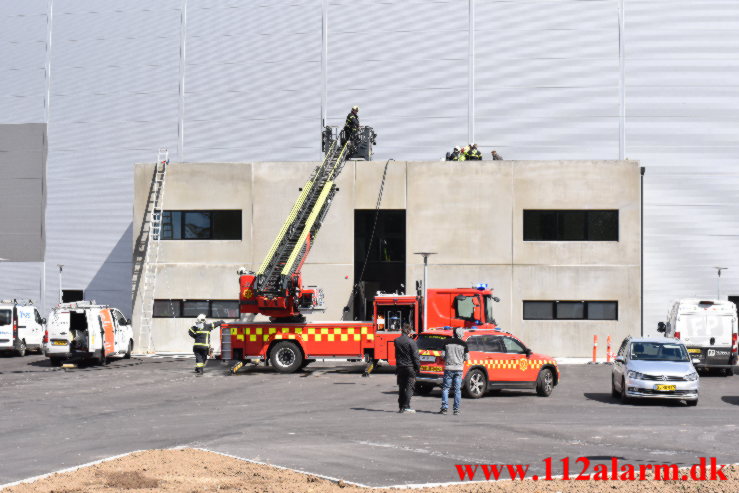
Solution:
(225, 80)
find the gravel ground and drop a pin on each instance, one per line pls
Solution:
(190, 470)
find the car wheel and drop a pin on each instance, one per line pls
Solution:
(614, 393)
(286, 357)
(545, 383)
(692, 403)
(624, 398)
(129, 351)
(423, 389)
(21, 349)
(475, 384)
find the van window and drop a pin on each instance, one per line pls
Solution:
(6, 317)
(701, 325)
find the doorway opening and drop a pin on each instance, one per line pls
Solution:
(385, 257)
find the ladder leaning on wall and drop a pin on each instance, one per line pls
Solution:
(151, 257)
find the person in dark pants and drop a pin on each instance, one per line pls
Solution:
(407, 366)
(351, 126)
(201, 347)
(455, 353)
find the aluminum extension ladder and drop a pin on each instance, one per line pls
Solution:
(152, 251)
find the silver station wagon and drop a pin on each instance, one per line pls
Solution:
(654, 368)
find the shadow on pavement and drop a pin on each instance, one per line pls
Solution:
(387, 411)
(608, 399)
(731, 399)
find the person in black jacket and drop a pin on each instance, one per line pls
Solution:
(407, 365)
(351, 126)
(201, 347)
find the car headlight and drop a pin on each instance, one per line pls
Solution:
(636, 375)
(691, 377)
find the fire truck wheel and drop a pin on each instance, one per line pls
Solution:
(475, 384)
(286, 357)
(545, 383)
(423, 389)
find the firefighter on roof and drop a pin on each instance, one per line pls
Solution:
(201, 347)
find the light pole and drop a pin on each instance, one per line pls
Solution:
(426, 256)
(61, 268)
(718, 281)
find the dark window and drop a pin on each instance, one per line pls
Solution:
(494, 344)
(512, 346)
(475, 343)
(71, 295)
(538, 310)
(6, 317)
(193, 308)
(224, 309)
(570, 310)
(201, 225)
(573, 225)
(432, 342)
(196, 225)
(167, 308)
(602, 310)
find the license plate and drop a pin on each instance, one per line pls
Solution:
(664, 387)
(59, 343)
(694, 350)
(427, 357)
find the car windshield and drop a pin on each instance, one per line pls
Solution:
(6, 317)
(657, 351)
(432, 342)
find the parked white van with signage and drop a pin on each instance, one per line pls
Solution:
(84, 330)
(21, 327)
(709, 330)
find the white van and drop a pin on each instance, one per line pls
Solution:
(84, 330)
(708, 328)
(21, 327)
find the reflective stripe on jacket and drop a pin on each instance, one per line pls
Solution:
(201, 333)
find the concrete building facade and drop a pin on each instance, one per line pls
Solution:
(471, 214)
(234, 81)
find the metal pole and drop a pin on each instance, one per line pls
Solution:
(425, 255)
(61, 268)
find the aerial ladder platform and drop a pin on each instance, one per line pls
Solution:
(276, 289)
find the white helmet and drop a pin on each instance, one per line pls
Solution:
(355, 108)
(201, 317)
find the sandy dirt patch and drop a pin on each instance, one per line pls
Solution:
(191, 471)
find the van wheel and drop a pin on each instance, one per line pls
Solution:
(286, 357)
(21, 349)
(475, 384)
(102, 359)
(129, 351)
(545, 383)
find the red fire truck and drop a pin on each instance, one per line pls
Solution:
(287, 342)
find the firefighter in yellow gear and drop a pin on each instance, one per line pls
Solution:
(473, 154)
(201, 347)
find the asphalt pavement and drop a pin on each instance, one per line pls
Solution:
(329, 420)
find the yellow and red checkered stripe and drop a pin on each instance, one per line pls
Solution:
(308, 334)
(522, 364)
(429, 352)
